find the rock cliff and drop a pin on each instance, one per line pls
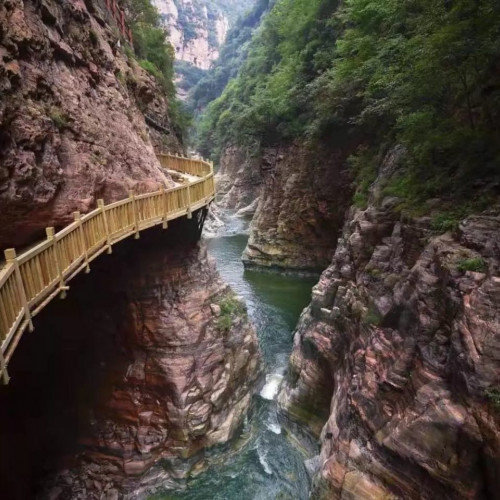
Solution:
(239, 181)
(72, 127)
(166, 359)
(302, 195)
(396, 361)
(196, 30)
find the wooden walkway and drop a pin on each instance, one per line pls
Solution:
(29, 281)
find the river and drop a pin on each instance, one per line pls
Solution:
(261, 464)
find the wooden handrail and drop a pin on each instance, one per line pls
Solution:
(28, 282)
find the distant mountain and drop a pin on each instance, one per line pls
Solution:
(198, 28)
(232, 55)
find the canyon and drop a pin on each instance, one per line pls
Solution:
(335, 334)
(173, 379)
(395, 354)
(353, 163)
(131, 379)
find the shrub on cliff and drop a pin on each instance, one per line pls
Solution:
(493, 395)
(156, 55)
(231, 308)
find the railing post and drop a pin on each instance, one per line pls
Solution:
(165, 206)
(50, 232)
(136, 216)
(78, 220)
(3, 369)
(102, 208)
(189, 213)
(10, 257)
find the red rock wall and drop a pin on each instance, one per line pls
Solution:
(136, 366)
(393, 359)
(301, 209)
(71, 122)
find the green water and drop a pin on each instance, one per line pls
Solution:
(261, 464)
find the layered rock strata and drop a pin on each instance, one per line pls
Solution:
(239, 181)
(301, 208)
(72, 128)
(396, 361)
(195, 30)
(173, 363)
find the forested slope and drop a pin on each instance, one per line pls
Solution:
(422, 73)
(232, 56)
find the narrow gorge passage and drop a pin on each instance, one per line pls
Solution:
(262, 463)
(362, 138)
(115, 377)
(71, 395)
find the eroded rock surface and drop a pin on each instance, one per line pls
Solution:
(394, 359)
(196, 30)
(187, 385)
(164, 369)
(72, 128)
(239, 181)
(301, 208)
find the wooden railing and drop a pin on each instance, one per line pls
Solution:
(28, 282)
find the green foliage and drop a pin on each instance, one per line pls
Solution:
(121, 78)
(189, 75)
(58, 117)
(444, 222)
(493, 395)
(364, 170)
(181, 117)
(421, 73)
(372, 315)
(155, 55)
(149, 67)
(374, 272)
(268, 101)
(94, 39)
(231, 308)
(477, 265)
(232, 56)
